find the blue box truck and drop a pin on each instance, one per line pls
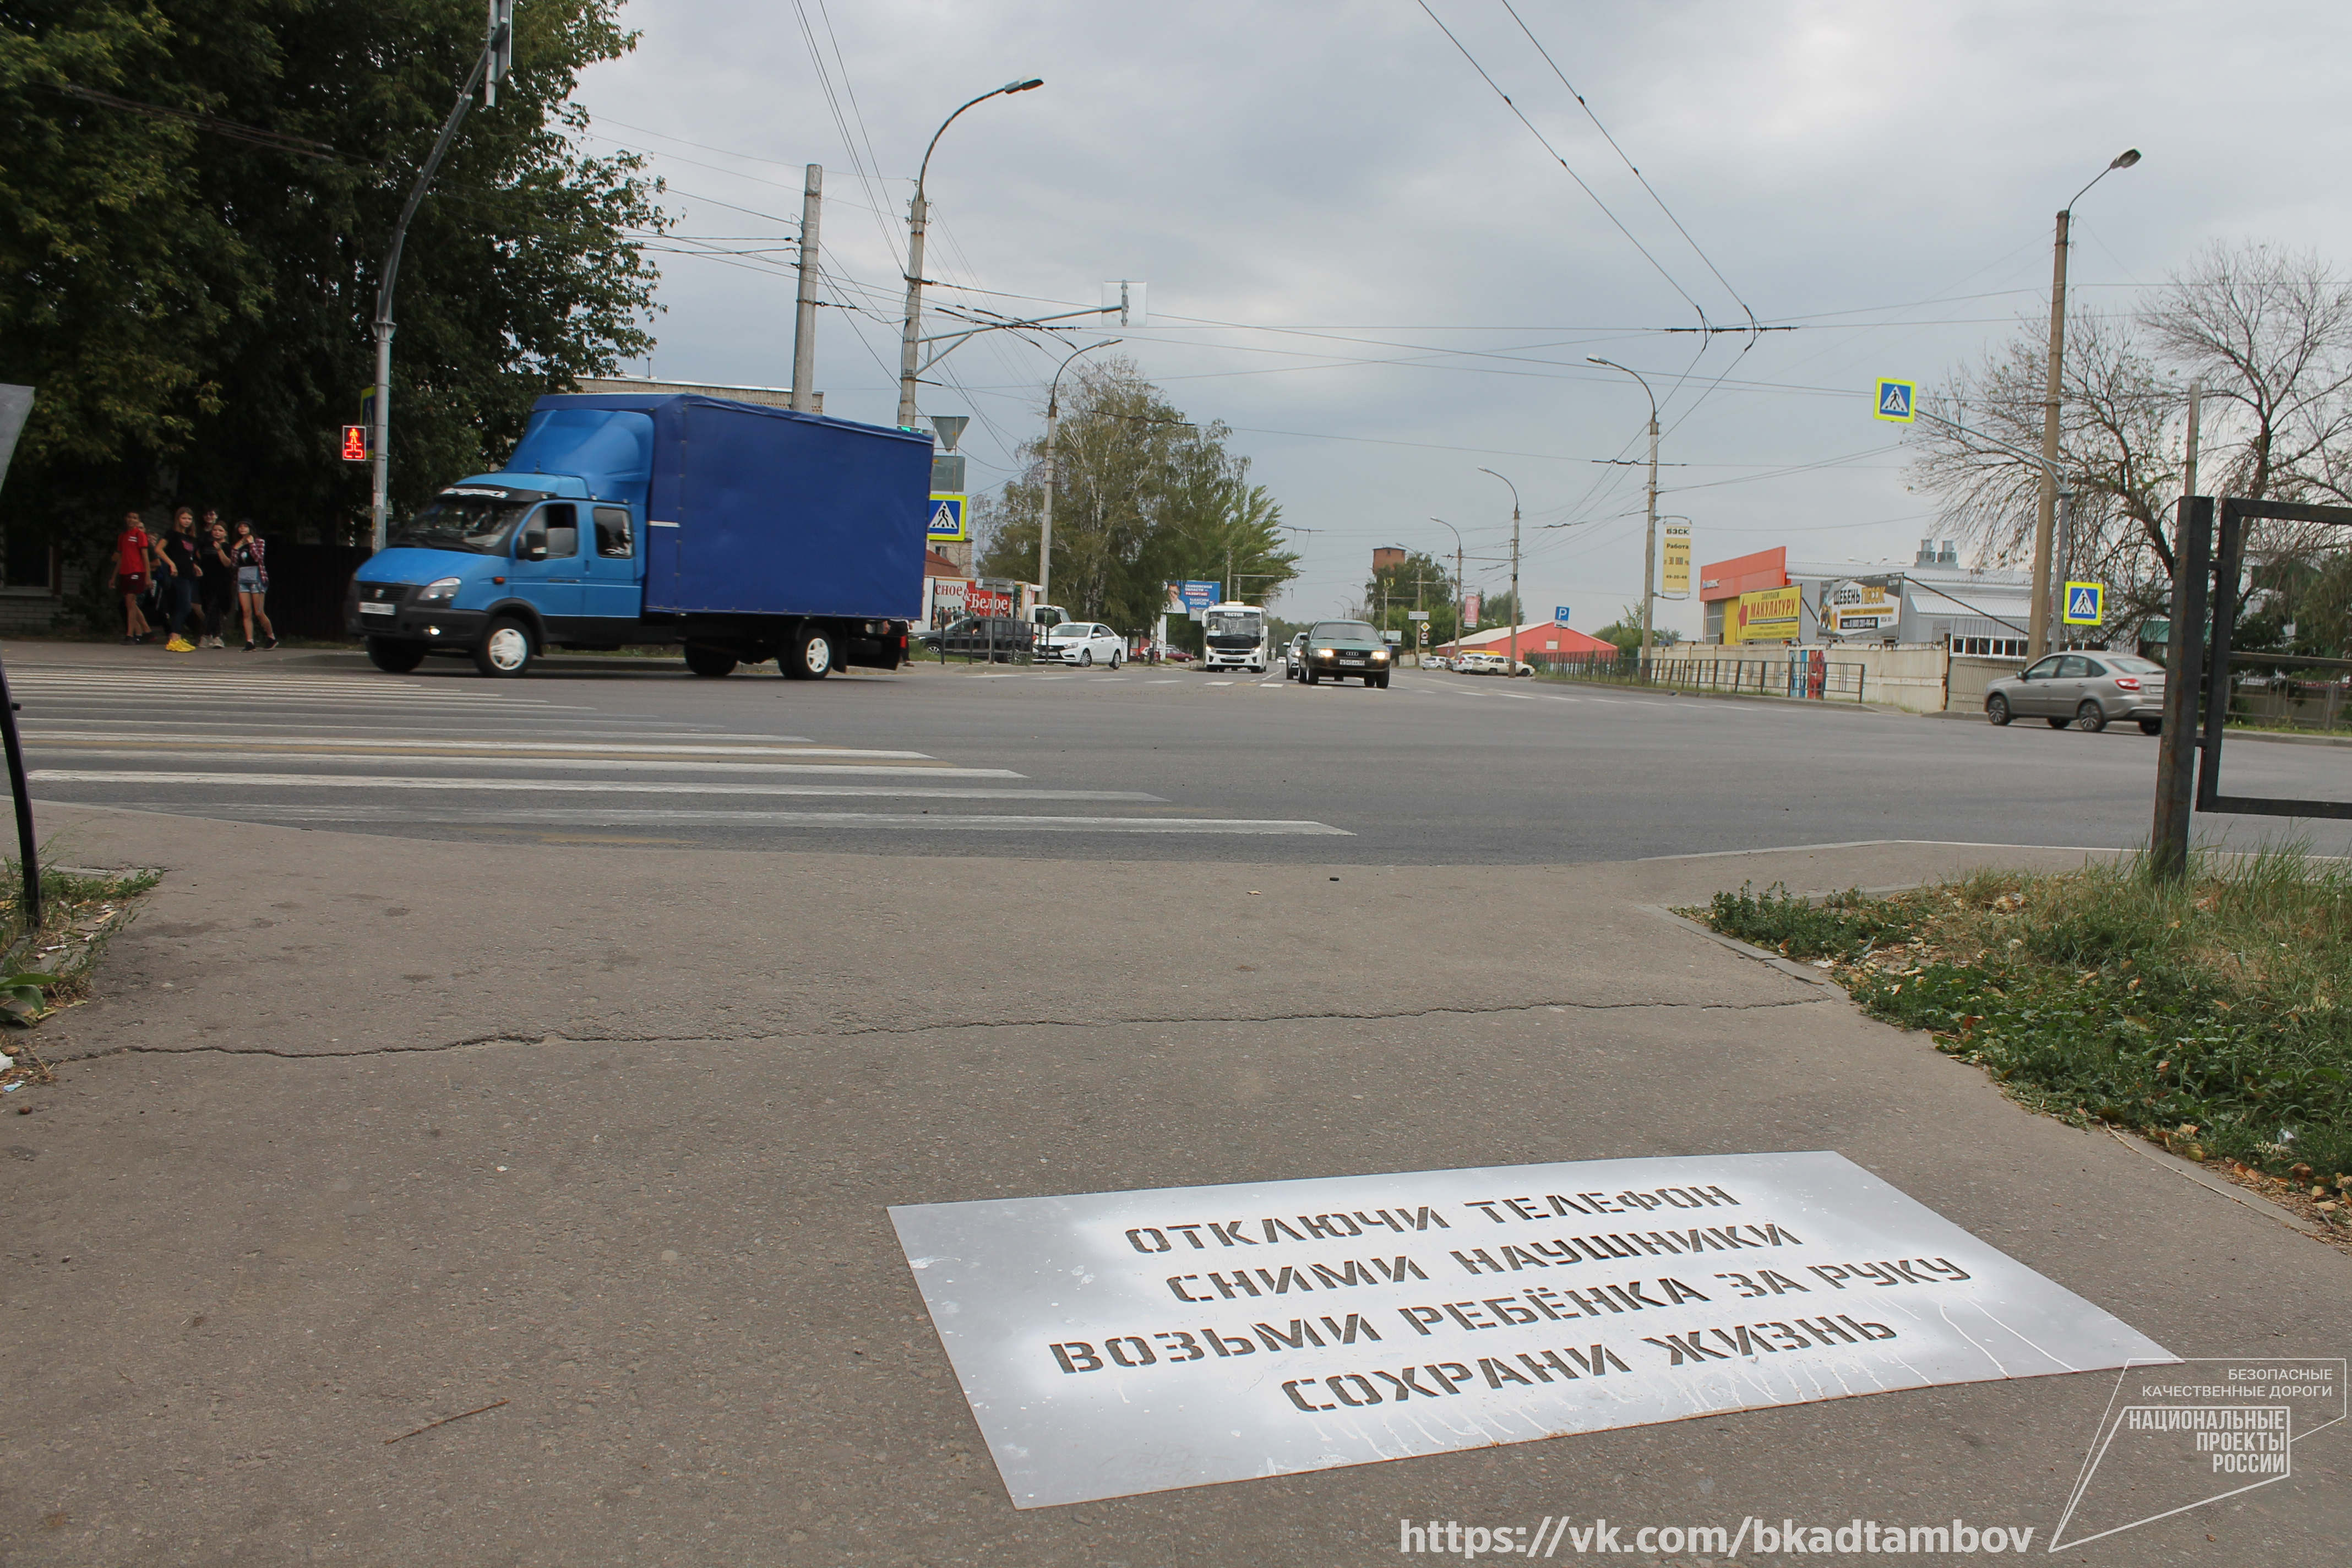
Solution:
(739, 532)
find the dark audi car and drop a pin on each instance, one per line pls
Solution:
(1337, 649)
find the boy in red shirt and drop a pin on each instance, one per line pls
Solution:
(133, 553)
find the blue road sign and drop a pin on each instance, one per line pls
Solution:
(2086, 604)
(947, 518)
(1896, 400)
(1559, 615)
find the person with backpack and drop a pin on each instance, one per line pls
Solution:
(247, 553)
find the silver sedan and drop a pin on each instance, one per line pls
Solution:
(2088, 690)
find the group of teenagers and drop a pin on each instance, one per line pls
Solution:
(190, 575)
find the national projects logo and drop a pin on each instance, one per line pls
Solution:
(2180, 1435)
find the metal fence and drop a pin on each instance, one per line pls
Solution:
(1802, 673)
(2280, 701)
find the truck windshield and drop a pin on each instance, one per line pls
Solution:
(478, 525)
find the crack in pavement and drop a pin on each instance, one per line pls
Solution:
(517, 1040)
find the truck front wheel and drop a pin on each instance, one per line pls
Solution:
(505, 649)
(706, 660)
(394, 657)
(809, 654)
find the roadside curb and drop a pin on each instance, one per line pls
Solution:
(2190, 1170)
(1771, 960)
(1874, 708)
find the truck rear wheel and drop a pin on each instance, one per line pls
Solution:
(506, 649)
(704, 659)
(394, 657)
(809, 654)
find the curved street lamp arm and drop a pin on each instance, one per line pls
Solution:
(993, 92)
(1612, 365)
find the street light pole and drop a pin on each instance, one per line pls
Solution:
(2045, 513)
(1515, 608)
(1046, 526)
(1650, 531)
(918, 218)
(489, 69)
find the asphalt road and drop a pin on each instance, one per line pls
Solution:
(1440, 769)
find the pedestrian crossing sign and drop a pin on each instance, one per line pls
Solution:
(947, 520)
(2086, 604)
(1896, 399)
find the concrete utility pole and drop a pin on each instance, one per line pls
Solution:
(1649, 531)
(805, 318)
(1516, 611)
(917, 217)
(1460, 631)
(2046, 516)
(1053, 475)
(489, 69)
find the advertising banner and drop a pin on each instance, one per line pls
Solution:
(1852, 609)
(1676, 579)
(1111, 1343)
(1471, 604)
(1189, 598)
(1774, 614)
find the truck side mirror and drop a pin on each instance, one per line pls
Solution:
(534, 546)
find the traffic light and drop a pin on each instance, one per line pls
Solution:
(355, 443)
(502, 50)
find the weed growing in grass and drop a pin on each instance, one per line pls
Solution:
(2214, 1012)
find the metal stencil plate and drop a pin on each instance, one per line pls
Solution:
(1111, 1343)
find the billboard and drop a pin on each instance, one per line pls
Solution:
(1677, 576)
(1772, 616)
(1189, 598)
(1851, 610)
(1471, 604)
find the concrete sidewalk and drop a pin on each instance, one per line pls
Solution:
(365, 1132)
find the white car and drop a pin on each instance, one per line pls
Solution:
(1491, 664)
(1083, 643)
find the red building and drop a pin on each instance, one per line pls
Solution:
(1540, 642)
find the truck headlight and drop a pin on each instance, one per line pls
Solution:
(439, 592)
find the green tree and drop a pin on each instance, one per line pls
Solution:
(187, 267)
(1143, 496)
(1419, 581)
(1626, 631)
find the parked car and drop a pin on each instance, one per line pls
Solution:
(2089, 691)
(996, 638)
(1337, 649)
(1293, 658)
(1491, 664)
(1082, 643)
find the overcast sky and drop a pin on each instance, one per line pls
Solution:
(1364, 263)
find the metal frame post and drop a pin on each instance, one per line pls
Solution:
(2176, 756)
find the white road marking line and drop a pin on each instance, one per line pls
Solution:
(459, 782)
(589, 815)
(68, 701)
(1216, 683)
(1171, 681)
(143, 730)
(576, 763)
(459, 743)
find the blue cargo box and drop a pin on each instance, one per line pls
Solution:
(766, 511)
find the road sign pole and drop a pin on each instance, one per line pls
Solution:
(2175, 754)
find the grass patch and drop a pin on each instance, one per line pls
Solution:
(79, 911)
(2214, 1013)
